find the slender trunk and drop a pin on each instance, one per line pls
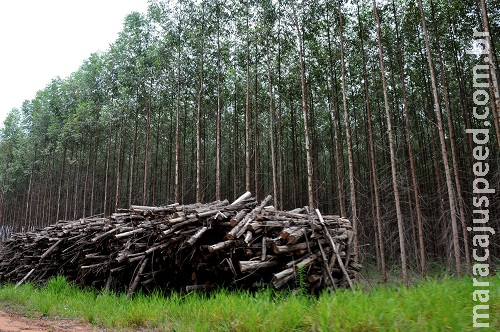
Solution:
(392, 150)
(76, 200)
(119, 168)
(198, 119)
(444, 149)
(256, 158)
(28, 194)
(61, 182)
(92, 190)
(247, 108)
(271, 125)
(218, 129)
(371, 148)
(338, 150)
(280, 113)
(418, 209)
(310, 190)
(235, 142)
(105, 201)
(177, 143)
(146, 147)
(132, 159)
(85, 186)
(452, 143)
(354, 215)
(68, 183)
(294, 154)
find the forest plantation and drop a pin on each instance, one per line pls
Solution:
(382, 112)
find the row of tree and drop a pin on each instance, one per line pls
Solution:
(358, 108)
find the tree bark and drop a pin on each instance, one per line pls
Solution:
(271, 125)
(395, 187)
(452, 143)
(354, 214)
(198, 118)
(444, 149)
(310, 191)
(218, 139)
(418, 209)
(371, 145)
(247, 105)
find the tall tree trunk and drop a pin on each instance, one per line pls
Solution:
(85, 186)
(146, 147)
(106, 175)
(310, 190)
(414, 182)
(395, 187)
(371, 148)
(256, 140)
(452, 142)
(119, 168)
(92, 189)
(28, 194)
(294, 154)
(247, 105)
(218, 139)
(76, 198)
(271, 124)
(235, 142)
(177, 121)
(354, 213)
(444, 149)
(338, 150)
(280, 113)
(198, 126)
(61, 181)
(132, 159)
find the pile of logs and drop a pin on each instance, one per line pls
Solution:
(244, 244)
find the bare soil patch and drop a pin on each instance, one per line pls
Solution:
(12, 322)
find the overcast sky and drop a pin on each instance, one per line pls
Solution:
(42, 39)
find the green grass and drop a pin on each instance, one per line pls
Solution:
(429, 305)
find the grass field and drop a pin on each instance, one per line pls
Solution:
(429, 305)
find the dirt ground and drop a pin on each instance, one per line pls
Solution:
(11, 322)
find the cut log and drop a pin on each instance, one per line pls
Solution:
(249, 266)
(192, 240)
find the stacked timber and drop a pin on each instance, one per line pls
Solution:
(243, 244)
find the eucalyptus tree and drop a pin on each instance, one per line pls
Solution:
(305, 112)
(371, 144)
(414, 180)
(352, 181)
(442, 139)
(391, 148)
(201, 36)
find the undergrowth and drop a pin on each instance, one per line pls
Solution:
(429, 305)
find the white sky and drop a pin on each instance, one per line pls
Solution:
(42, 39)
